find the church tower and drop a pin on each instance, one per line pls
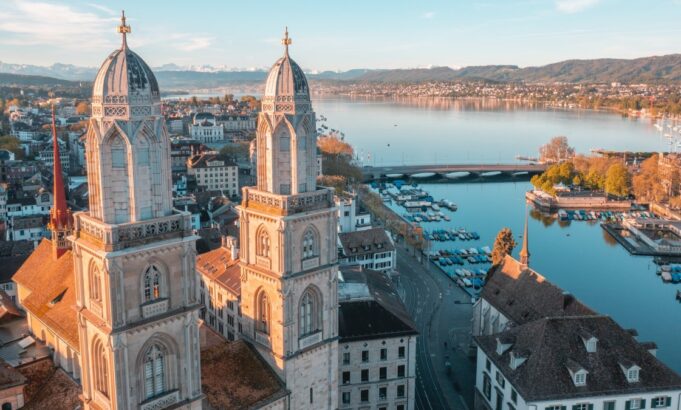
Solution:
(134, 256)
(60, 223)
(288, 246)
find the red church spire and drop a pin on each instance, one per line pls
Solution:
(60, 215)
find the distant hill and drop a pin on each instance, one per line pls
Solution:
(34, 80)
(640, 70)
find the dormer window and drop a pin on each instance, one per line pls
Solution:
(518, 358)
(631, 370)
(577, 372)
(580, 378)
(632, 375)
(503, 344)
(590, 342)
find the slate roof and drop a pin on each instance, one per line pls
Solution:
(9, 265)
(201, 160)
(370, 307)
(51, 291)
(524, 295)
(9, 376)
(554, 344)
(219, 266)
(365, 242)
(49, 387)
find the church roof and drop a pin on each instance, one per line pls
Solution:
(49, 387)
(9, 376)
(51, 291)
(523, 295)
(233, 376)
(286, 78)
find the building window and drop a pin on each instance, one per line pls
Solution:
(400, 390)
(382, 393)
(311, 396)
(365, 356)
(346, 377)
(364, 395)
(262, 247)
(346, 397)
(609, 405)
(365, 375)
(310, 243)
(383, 373)
(659, 402)
(580, 379)
(384, 354)
(500, 379)
(487, 386)
(514, 397)
(95, 285)
(263, 310)
(632, 375)
(581, 406)
(310, 312)
(400, 352)
(400, 370)
(101, 368)
(154, 372)
(346, 358)
(152, 284)
(635, 404)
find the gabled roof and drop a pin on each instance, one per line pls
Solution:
(219, 266)
(523, 295)
(51, 291)
(365, 242)
(554, 345)
(370, 307)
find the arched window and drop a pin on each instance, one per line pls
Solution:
(262, 247)
(154, 372)
(95, 284)
(310, 244)
(309, 317)
(101, 368)
(152, 284)
(263, 313)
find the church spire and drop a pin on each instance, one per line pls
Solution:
(60, 215)
(525, 251)
(286, 41)
(124, 29)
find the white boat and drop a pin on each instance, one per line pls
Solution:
(436, 207)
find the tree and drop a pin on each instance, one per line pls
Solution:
(237, 150)
(617, 180)
(12, 144)
(229, 98)
(503, 245)
(556, 150)
(646, 185)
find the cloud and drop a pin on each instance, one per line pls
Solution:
(193, 43)
(103, 8)
(574, 6)
(428, 15)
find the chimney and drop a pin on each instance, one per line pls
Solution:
(567, 299)
(232, 244)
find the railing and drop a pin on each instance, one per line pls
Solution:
(162, 402)
(310, 263)
(154, 308)
(116, 237)
(290, 204)
(309, 340)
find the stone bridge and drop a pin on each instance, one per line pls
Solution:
(371, 173)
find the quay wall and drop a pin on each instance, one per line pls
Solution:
(593, 203)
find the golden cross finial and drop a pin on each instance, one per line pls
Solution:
(124, 29)
(286, 41)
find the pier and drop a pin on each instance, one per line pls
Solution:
(373, 173)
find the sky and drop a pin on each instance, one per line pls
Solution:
(340, 34)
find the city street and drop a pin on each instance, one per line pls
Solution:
(442, 312)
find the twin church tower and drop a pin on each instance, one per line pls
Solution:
(136, 286)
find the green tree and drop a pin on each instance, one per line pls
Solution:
(617, 180)
(503, 245)
(12, 144)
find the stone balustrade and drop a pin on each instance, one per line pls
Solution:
(161, 402)
(289, 204)
(309, 340)
(122, 236)
(156, 307)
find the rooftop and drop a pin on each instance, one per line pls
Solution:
(219, 266)
(364, 242)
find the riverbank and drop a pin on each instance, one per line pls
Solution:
(582, 200)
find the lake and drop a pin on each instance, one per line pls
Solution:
(578, 256)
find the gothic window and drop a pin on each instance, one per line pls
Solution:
(118, 154)
(95, 285)
(263, 313)
(100, 367)
(309, 320)
(154, 372)
(310, 243)
(262, 247)
(152, 284)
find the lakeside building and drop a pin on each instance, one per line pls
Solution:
(351, 217)
(370, 248)
(669, 168)
(214, 172)
(205, 128)
(538, 347)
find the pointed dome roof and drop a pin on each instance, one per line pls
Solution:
(125, 86)
(286, 89)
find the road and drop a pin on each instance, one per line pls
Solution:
(442, 312)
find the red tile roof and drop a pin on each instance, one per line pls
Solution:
(219, 266)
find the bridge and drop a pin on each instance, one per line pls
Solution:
(371, 173)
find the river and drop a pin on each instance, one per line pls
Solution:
(578, 256)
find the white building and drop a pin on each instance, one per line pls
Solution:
(215, 173)
(30, 228)
(237, 122)
(370, 248)
(350, 216)
(46, 155)
(205, 128)
(377, 345)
